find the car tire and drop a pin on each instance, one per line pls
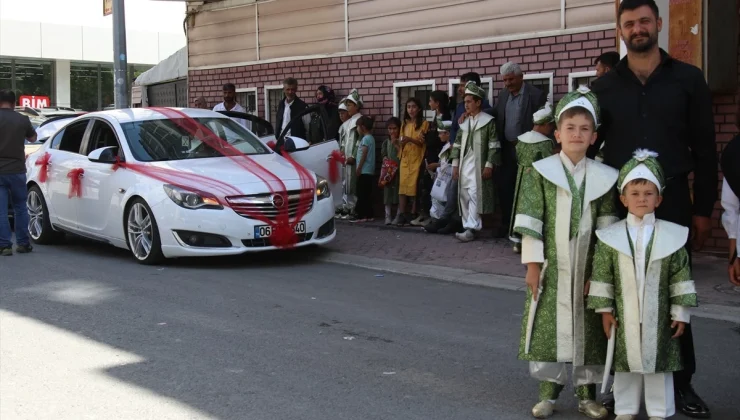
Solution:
(39, 226)
(142, 233)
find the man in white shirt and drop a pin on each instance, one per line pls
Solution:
(230, 104)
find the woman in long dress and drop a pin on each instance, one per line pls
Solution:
(412, 155)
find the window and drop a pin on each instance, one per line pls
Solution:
(6, 74)
(421, 90)
(84, 83)
(542, 81)
(33, 78)
(584, 78)
(452, 85)
(166, 140)
(101, 135)
(71, 137)
(247, 97)
(273, 96)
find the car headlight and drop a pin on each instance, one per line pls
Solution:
(190, 200)
(322, 188)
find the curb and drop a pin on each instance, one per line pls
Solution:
(495, 281)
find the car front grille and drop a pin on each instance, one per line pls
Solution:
(262, 242)
(263, 204)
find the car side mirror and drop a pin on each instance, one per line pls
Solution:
(295, 144)
(104, 155)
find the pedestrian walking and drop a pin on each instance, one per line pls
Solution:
(14, 130)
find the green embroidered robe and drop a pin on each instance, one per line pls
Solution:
(532, 147)
(557, 213)
(479, 139)
(645, 347)
(349, 142)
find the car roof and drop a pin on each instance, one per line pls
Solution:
(142, 114)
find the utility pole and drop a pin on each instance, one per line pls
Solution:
(120, 59)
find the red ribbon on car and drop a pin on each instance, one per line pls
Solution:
(75, 182)
(43, 161)
(335, 159)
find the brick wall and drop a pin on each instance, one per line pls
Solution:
(374, 74)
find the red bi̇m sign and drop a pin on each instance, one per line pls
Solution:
(35, 101)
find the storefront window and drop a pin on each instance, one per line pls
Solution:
(6, 74)
(33, 78)
(83, 81)
(106, 85)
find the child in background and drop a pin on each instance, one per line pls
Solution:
(641, 275)
(389, 150)
(533, 146)
(365, 170)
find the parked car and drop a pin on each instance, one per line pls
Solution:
(157, 219)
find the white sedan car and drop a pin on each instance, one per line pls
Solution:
(156, 219)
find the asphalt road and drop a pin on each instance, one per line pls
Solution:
(87, 333)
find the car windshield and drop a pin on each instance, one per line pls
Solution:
(163, 140)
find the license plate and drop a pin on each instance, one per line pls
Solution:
(265, 231)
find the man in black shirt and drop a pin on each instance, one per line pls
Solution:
(14, 130)
(654, 102)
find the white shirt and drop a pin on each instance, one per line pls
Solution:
(640, 231)
(577, 171)
(731, 215)
(237, 108)
(286, 116)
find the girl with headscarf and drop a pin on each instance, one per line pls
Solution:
(316, 127)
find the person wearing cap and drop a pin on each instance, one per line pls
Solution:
(533, 146)
(349, 142)
(568, 197)
(641, 275)
(474, 155)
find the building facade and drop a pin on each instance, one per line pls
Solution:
(71, 64)
(392, 50)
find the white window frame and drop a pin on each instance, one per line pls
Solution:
(396, 85)
(489, 80)
(578, 75)
(266, 91)
(542, 76)
(256, 96)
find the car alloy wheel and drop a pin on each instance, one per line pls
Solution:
(39, 226)
(142, 233)
(35, 215)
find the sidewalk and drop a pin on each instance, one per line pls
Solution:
(486, 258)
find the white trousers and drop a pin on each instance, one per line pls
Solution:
(469, 207)
(558, 373)
(659, 400)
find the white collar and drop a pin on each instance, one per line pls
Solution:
(569, 164)
(289, 103)
(647, 220)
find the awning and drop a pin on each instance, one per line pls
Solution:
(171, 68)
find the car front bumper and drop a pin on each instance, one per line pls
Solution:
(235, 232)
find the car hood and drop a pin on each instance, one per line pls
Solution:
(224, 169)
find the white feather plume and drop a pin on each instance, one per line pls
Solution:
(643, 154)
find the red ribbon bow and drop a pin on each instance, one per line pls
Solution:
(43, 161)
(335, 159)
(75, 182)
